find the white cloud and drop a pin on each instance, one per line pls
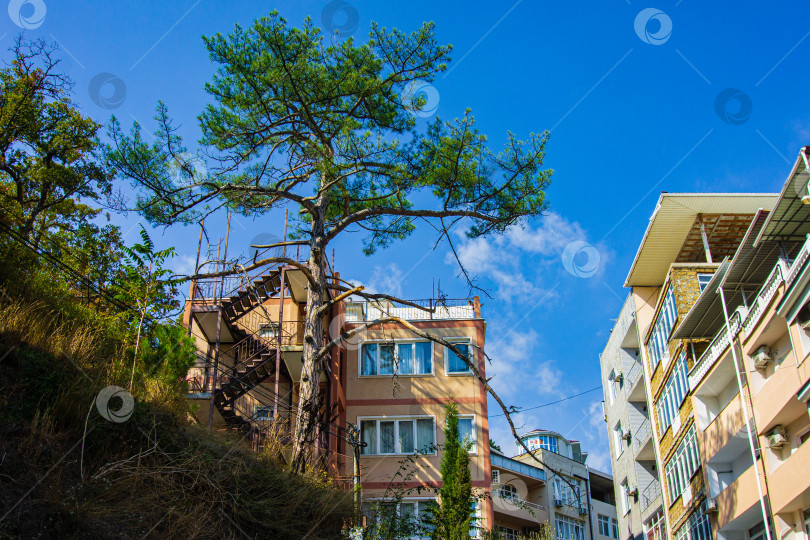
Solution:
(183, 265)
(384, 279)
(520, 261)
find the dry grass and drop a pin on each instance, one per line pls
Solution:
(154, 475)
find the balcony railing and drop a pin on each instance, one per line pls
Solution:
(716, 348)
(502, 462)
(370, 310)
(650, 494)
(764, 297)
(632, 377)
(642, 435)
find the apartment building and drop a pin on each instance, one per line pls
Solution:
(563, 492)
(387, 384)
(627, 413)
(687, 237)
(751, 382)
(397, 386)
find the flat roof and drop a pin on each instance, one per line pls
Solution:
(673, 221)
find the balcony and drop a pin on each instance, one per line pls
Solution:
(632, 388)
(650, 494)
(788, 482)
(717, 347)
(642, 441)
(764, 297)
(526, 513)
(503, 462)
(418, 310)
(737, 499)
(723, 428)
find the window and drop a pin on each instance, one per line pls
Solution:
(697, 528)
(456, 365)
(508, 533)
(509, 492)
(657, 344)
(626, 499)
(567, 492)
(614, 524)
(466, 431)
(268, 330)
(568, 528)
(685, 461)
(546, 442)
(807, 522)
(496, 477)
(262, 412)
(612, 386)
(405, 519)
(397, 436)
(757, 532)
(617, 439)
(411, 358)
(703, 280)
(604, 525)
(675, 390)
(654, 527)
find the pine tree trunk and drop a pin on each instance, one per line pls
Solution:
(305, 453)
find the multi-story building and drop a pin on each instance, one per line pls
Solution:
(387, 383)
(627, 413)
(688, 236)
(751, 380)
(561, 491)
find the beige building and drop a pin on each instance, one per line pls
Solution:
(719, 299)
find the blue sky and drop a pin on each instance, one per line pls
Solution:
(633, 110)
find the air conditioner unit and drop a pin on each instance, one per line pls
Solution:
(710, 507)
(627, 435)
(618, 378)
(762, 357)
(777, 438)
(633, 492)
(558, 503)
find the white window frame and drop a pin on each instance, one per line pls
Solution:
(267, 416)
(508, 533)
(603, 523)
(398, 505)
(702, 276)
(676, 390)
(396, 420)
(614, 528)
(658, 343)
(474, 441)
(684, 464)
(576, 528)
(626, 502)
(565, 493)
(396, 370)
(612, 394)
(465, 340)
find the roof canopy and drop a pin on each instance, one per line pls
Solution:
(790, 219)
(674, 231)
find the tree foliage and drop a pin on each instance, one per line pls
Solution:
(328, 127)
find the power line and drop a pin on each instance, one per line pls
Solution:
(551, 402)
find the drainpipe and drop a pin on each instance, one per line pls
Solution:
(737, 365)
(590, 506)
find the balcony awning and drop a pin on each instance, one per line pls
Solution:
(790, 219)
